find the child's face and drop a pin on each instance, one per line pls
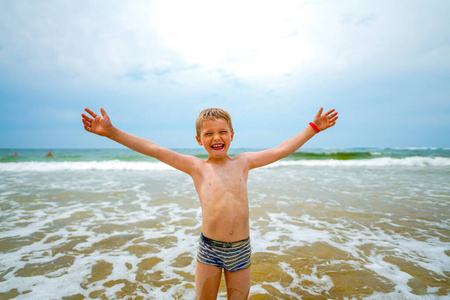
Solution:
(216, 137)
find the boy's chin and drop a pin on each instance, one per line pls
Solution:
(217, 153)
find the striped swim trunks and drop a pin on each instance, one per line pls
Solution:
(231, 256)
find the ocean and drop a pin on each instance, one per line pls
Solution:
(359, 223)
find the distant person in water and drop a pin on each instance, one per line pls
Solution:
(221, 184)
(15, 154)
(49, 154)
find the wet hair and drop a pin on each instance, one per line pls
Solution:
(212, 114)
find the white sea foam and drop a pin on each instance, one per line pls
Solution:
(375, 162)
(117, 165)
(82, 166)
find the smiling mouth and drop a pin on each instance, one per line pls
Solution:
(218, 146)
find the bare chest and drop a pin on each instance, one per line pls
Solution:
(225, 182)
(219, 183)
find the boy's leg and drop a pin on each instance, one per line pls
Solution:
(207, 280)
(238, 284)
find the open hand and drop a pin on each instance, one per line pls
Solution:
(98, 125)
(326, 120)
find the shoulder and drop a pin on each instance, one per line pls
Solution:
(196, 162)
(243, 158)
(199, 165)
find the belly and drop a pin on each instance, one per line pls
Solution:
(226, 221)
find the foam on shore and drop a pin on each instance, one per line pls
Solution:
(117, 165)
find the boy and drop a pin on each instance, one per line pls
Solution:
(221, 184)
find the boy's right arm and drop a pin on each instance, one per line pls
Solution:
(102, 126)
(265, 157)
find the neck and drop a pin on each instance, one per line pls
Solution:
(217, 160)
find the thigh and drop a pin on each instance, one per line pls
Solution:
(207, 280)
(238, 283)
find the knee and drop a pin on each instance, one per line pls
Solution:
(234, 293)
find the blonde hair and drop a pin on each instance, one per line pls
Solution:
(212, 114)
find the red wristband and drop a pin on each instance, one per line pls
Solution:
(316, 129)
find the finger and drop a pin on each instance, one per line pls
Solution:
(332, 115)
(87, 128)
(319, 113)
(93, 114)
(329, 112)
(86, 123)
(86, 118)
(104, 114)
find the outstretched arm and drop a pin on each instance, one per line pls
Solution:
(265, 157)
(101, 125)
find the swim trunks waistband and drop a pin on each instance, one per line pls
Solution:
(220, 244)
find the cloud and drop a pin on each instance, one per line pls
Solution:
(162, 61)
(137, 73)
(248, 41)
(245, 38)
(87, 44)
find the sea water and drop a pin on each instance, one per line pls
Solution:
(325, 224)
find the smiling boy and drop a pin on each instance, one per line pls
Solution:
(221, 184)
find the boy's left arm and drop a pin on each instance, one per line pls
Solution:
(265, 157)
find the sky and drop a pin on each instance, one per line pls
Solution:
(154, 65)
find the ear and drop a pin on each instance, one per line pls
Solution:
(199, 140)
(232, 135)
